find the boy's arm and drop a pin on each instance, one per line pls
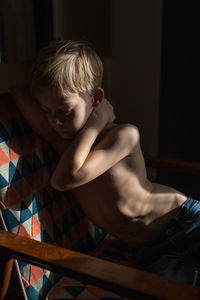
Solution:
(36, 118)
(81, 163)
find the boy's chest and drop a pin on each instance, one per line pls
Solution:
(101, 201)
(103, 194)
(124, 174)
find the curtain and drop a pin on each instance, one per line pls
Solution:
(17, 30)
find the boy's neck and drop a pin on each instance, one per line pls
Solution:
(106, 129)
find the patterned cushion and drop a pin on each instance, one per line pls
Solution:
(69, 288)
(29, 205)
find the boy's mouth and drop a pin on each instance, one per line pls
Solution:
(66, 134)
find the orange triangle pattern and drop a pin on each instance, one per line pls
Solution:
(22, 231)
(36, 227)
(59, 287)
(98, 292)
(3, 157)
(2, 205)
(95, 291)
(26, 283)
(36, 273)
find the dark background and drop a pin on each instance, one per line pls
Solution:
(179, 119)
(176, 132)
(86, 20)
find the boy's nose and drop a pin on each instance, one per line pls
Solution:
(57, 121)
(58, 117)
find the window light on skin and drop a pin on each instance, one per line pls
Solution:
(67, 114)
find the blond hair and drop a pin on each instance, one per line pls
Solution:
(69, 67)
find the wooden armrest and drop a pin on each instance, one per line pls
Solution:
(128, 282)
(6, 264)
(186, 167)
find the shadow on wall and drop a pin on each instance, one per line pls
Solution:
(136, 54)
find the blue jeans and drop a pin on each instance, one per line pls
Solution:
(176, 253)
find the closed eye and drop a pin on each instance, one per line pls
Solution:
(44, 109)
(61, 115)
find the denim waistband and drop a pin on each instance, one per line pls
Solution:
(189, 210)
(176, 253)
(182, 235)
(185, 225)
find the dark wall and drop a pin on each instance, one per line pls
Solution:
(87, 20)
(180, 88)
(136, 51)
(43, 16)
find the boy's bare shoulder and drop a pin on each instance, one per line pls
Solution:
(124, 132)
(120, 128)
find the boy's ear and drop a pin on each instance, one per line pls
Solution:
(98, 97)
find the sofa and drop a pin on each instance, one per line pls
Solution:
(49, 249)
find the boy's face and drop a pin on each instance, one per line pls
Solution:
(66, 115)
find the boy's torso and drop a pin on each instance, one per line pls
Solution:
(124, 203)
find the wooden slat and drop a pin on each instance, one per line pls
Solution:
(123, 280)
(186, 167)
(6, 264)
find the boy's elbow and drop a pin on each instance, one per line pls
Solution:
(134, 135)
(131, 134)
(67, 182)
(57, 185)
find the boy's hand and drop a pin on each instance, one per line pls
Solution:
(103, 113)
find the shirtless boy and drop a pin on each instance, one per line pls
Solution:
(100, 161)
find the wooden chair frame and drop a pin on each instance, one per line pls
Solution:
(126, 281)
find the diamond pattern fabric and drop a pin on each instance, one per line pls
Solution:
(72, 289)
(29, 205)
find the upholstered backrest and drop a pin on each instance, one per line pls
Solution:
(30, 207)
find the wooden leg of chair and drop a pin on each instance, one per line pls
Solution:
(6, 264)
